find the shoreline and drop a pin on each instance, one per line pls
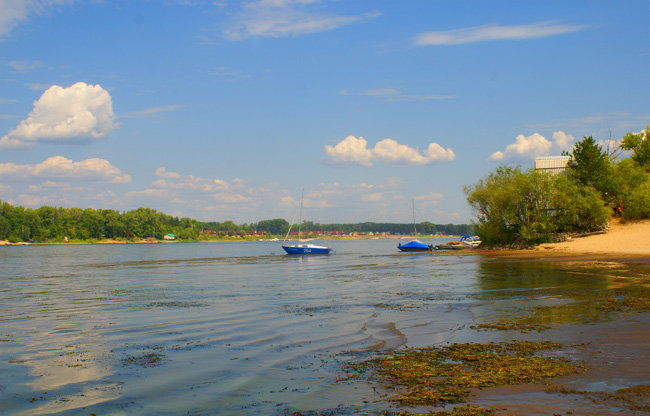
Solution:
(625, 242)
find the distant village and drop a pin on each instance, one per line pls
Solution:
(338, 233)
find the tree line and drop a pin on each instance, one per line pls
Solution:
(526, 207)
(281, 226)
(52, 224)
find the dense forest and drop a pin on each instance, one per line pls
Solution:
(522, 208)
(50, 224)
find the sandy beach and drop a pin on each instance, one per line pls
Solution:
(623, 240)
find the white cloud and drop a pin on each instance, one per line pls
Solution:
(150, 111)
(353, 150)
(24, 66)
(175, 180)
(13, 12)
(230, 197)
(392, 94)
(282, 18)
(494, 32)
(163, 173)
(431, 198)
(533, 146)
(58, 167)
(373, 197)
(151, 193)
(79, 112)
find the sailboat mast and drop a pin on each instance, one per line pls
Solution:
(302, 194)
(413, 206)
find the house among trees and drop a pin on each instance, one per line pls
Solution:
(552, 164)
(169, 236)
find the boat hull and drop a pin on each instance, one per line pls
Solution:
(306, 249)
(414, 248)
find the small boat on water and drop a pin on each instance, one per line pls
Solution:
(306, 249)
(414, 245)
(300, 247)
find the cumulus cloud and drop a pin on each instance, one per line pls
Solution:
(173, 180)
(353, 150)
(58, 167)
(283, 18)
(431, 198)
(13, 12)
(80, 112)
(161, 172)
(494, 32)
(533, 146)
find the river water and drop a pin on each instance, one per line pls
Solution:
(235, 328)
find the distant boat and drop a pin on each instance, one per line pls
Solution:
(466, 242)
(414, 245)
(471, 240)
(300, 247)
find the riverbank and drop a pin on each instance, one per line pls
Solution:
(624, 241)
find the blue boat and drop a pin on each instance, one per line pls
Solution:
(300, 247)
(415, 245)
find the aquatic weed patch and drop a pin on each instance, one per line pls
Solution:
(445, 375)
(150, 359)
(510, 326)
(636, 398)
(467, 410)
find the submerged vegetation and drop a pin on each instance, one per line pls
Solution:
(445, 375)
(582, 304)
(523, 208)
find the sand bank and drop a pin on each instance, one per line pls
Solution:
(630, 240)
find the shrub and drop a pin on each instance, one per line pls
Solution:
(637, 206)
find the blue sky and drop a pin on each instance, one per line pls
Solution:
(222, 110)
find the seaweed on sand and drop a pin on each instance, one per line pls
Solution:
(445, 375)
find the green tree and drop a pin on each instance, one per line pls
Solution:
(639, 144)
(524, 208)
(591, 166)
(278, 226)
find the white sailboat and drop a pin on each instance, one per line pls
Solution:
(414, 245)
(300, 247)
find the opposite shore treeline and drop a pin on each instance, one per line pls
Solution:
(51, 224)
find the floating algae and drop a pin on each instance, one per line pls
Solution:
(445, 375)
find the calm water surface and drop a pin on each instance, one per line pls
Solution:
(233, 328)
